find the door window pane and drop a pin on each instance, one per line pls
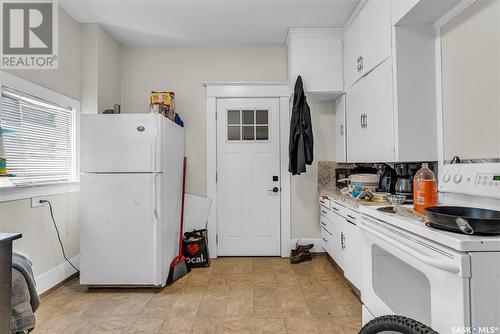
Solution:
(262, 132)
(233, 117)
(248, 133)
(233, 133)
(248, 117)
(261, 116)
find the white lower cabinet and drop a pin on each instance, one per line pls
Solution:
(337, 227)
(352, 253)
(340, 239)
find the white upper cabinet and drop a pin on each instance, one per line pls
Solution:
(370, 126)
(316, 55)
(340, 130)
(367, 40)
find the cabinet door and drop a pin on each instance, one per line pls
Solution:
(351, 52)
(340, 129)
(370, 117)
(375, 31)
(352, 253)
(336, 244)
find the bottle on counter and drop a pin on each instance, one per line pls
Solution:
(425, 192)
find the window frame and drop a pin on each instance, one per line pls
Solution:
(13, 192)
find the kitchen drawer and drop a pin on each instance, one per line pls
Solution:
(325, 223)
(326, 241)
(325, 202)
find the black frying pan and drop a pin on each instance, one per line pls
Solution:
(465, 220)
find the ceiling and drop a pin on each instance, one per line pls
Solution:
(171, 22)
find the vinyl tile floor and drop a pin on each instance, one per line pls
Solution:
(233, 295)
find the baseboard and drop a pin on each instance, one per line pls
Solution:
(316, 242)
(56, 275)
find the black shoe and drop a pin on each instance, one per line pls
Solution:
(302, 248)
(301, 257)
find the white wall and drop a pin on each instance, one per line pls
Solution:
(305, 206)
(471, 82)
(100, 65)
(183, 69)
(89, 71)
(39, 239)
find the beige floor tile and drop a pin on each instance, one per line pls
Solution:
(177, 325)
(269, 326)
(146, 325)
(285, 292)
(240, 307)
(300, 326)
(210, 325)
(241, 290)
(238, 325)
(295, 308)
(158, 306)
(185, 308)
(268, 308)
(212, 308)
(234, 295)
(265, 292)
(322, 308)
(216, 292)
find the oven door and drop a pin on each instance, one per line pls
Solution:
(408, 275)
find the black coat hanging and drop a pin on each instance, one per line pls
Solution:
(301, 145)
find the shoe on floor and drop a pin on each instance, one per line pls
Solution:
(301, 257)
(302, 248)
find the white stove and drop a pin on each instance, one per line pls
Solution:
(449, 281)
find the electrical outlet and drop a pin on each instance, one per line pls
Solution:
(35, 201)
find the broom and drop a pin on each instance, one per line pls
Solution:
(178, 266)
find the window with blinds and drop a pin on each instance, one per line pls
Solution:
(37, 137)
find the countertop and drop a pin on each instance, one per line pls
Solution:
(336, 195)
(7, 237)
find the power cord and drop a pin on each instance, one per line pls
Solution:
(58, 235)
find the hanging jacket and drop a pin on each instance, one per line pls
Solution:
(301, 145)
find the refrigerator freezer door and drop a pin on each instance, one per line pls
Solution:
(119, 229)
(124, 143)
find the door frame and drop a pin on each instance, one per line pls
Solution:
(279, 90)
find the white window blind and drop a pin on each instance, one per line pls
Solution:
(39, 139)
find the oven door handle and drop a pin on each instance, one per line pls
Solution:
(450, 267)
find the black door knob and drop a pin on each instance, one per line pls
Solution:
(275, 189)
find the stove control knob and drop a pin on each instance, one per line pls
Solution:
(457, 178)
(446, 178)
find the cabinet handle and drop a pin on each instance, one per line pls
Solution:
(359, 62)
(325, 240)
(353, 218)
(366, 121)
(334, 208)
(361, 121)
(322, 223)
(341, 129)
(324, 212)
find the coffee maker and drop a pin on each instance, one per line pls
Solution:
(388, 178)
(404, 183)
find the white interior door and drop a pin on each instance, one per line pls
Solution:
(248, 177)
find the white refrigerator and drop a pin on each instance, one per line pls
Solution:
(130, 198)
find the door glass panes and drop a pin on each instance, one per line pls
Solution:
(233, 133)
(261, 117)
(233, 117)
(247, 125)
(262, 132)
(248, 117)
(248, 133)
